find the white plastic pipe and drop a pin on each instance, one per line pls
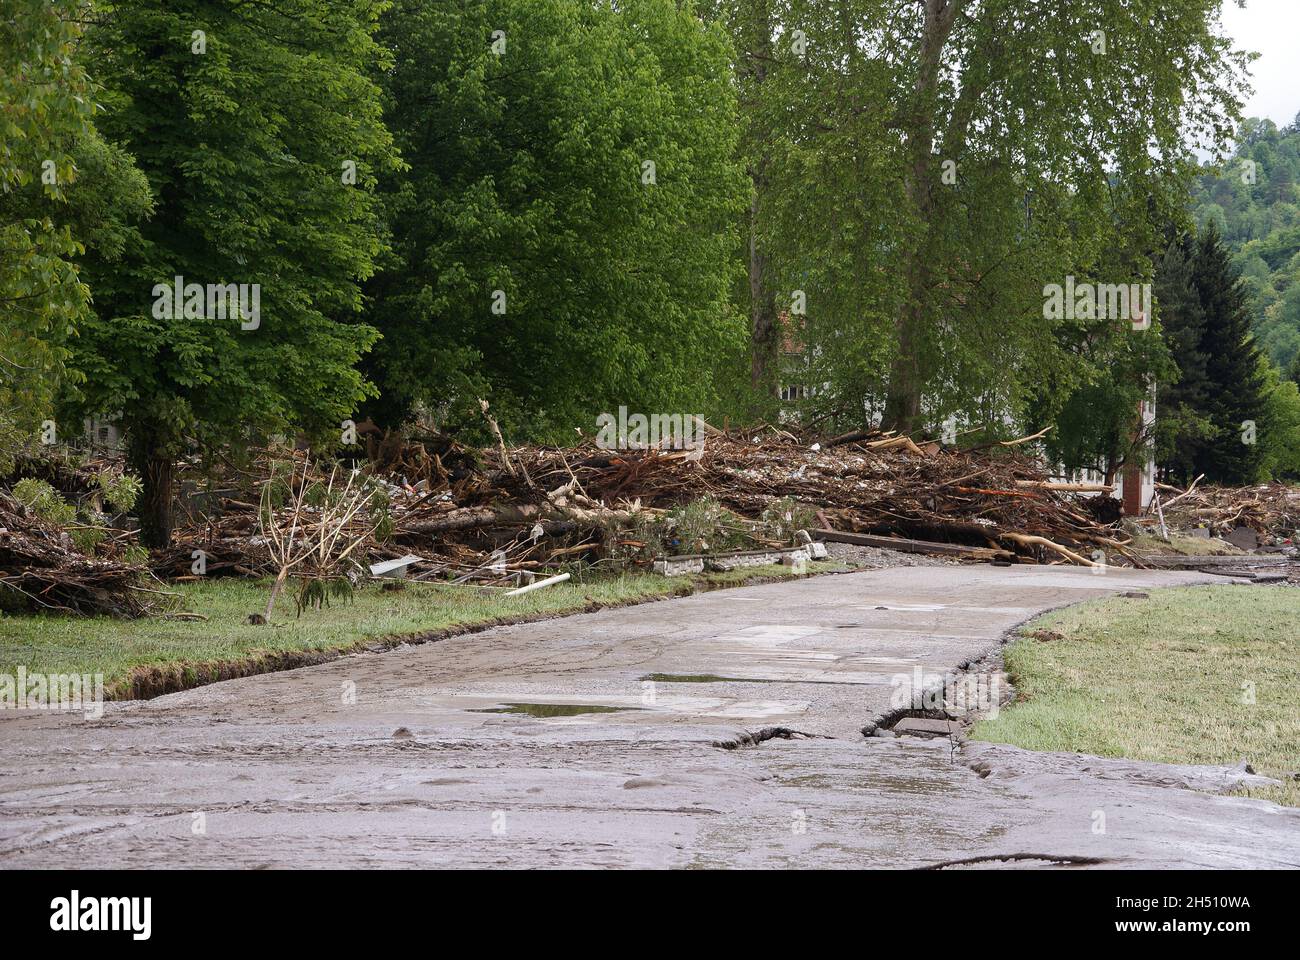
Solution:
(537, 585)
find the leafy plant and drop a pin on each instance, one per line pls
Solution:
(44, 501)
(705, 526)
(120, 490)
(783, 517)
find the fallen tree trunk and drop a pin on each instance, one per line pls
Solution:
(1027, 541)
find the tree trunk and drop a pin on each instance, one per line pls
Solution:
(903, 400)
(155, 505)
(280, 578)
(907, 375)
(764, 332)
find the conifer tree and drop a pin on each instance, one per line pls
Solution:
(1180, 406)
(1235, 397)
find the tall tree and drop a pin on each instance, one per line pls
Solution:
(938, 163)
(45, 117)
(750, 24)
(259, 129)
(567, 229)
(1236, 392)
(1182, 426)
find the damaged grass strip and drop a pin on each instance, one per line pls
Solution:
(169, 656)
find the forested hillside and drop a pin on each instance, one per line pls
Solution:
(1255, 201)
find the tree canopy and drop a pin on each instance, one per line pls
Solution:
(259, 129)
(565, 230)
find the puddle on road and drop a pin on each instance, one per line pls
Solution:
(552, 709)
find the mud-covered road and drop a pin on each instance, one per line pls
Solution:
(412, 758)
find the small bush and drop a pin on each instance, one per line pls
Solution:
(783, 517)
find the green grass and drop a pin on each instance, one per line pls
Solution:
(1164, 679)
(154, 655)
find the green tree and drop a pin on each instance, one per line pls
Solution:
(1182, 426)
(259, 128)
(936, 164)
(45, 119)
(1253, 201)
(1280, 436)
(1236, 397)
(566, 231)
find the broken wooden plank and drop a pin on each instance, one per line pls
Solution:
(1067, 487)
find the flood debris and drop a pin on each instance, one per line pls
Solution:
(42, 568)
(518, 517)
(1266, 515)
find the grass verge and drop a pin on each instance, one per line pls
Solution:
(146, 658)
(1169, 679)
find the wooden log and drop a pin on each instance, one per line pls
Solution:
(911, 546)
(1028, 541)
(1067, 487)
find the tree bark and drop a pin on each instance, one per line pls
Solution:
(764, 331)
(765, 334)
(907, 374)
(276, 587)
(155, 505)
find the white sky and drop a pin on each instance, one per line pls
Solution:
(1272, 29)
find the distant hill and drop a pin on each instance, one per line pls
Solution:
(1255, 198)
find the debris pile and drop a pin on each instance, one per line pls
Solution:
(1271, 510)
(887, 486)
(41, 569)
(509, 515)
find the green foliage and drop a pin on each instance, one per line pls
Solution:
(783, 517)
(316, 594)
(1182, 423)
(1280, 435)
(1236, 388)
(120, 490)
(380, 508)
(921, 285)
(704, 526)
(527, 176)
(1215, 417)
(44, 501)
(45, 114)
(1255, 201)
(246, 144)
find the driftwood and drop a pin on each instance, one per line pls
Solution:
(509, 509)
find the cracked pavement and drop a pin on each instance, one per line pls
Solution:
(403, 758)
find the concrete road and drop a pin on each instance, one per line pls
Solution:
(484, 750)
